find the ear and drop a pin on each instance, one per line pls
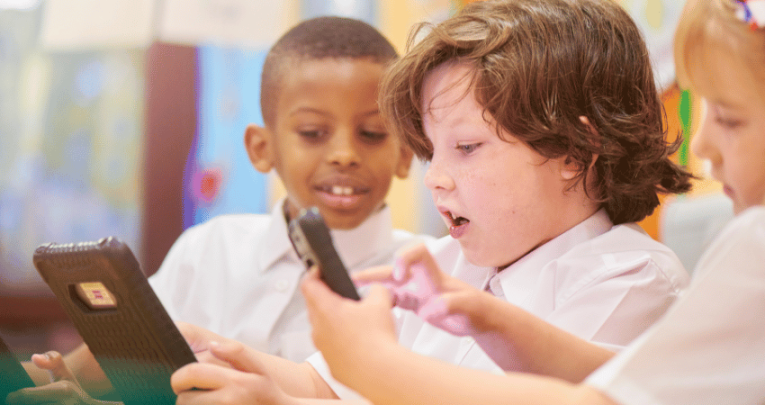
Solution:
(570, 170)
(404, 162)
(257, 141)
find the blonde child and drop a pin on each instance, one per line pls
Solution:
(543, 128)
(707, 349)
(237, 275)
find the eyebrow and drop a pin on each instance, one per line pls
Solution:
(312, 110)
(300, 110)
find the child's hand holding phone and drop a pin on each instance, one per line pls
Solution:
(347, 331)
(313, 243)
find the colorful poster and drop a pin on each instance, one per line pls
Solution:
(220, 178)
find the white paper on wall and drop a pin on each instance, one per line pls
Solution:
(76, 25)
(239, 23)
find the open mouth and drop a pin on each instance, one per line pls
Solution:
(343, 190)
(459, 224)
(342, 196)
(457, 221)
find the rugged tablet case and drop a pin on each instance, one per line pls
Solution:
(108, 298)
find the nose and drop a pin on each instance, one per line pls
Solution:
(436, 178)
(343, 151)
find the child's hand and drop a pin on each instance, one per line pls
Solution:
(417, 284)
(63, 389)
(345, 330)
(200, 340)
(245, 382)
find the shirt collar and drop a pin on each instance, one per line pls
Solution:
(527, 268)
(360, 244)
(275, 242)
(354, 246)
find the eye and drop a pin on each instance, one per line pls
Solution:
(311, 134)
(728, 123)
(726, 119)
(373, 136)
(468, 148)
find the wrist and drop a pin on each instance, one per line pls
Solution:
(367, 366)
(487, 313)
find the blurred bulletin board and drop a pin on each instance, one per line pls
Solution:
(70, 144)
(71, 128)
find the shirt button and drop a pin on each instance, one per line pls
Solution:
(281, 285)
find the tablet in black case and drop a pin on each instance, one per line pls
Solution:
(13, 377)
(109, 300)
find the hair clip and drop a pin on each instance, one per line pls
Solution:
(751, 12)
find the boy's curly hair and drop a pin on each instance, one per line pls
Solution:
(315, 39)
(538, 67)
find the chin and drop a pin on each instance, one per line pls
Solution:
(343, 224)
(477, 258)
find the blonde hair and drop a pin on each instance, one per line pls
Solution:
(706, 23)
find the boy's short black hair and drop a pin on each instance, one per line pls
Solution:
(540, 65)
(314, 39)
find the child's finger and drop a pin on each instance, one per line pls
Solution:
(198, 376)
(235, 354)
(379, 295)
(315, 291)
(379, 274)
(417, 255)
(197, 337)
(54, 363)
(445, 311)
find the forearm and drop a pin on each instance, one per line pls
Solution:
(511, 335)
(312, 401)
(394, 375)
(295, 379)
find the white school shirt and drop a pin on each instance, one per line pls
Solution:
(601, 282)
(238, 276)
(710, 346)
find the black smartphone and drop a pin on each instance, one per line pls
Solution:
(313, 243)
(109, 300)
(13, 377)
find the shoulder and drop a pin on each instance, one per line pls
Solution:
(751, 220)
(745, 231)
(627, 250)
(740, 244)
(626, 241)
(231, 224)
(222, 231)
(219, 239)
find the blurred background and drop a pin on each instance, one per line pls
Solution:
(126, 118)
